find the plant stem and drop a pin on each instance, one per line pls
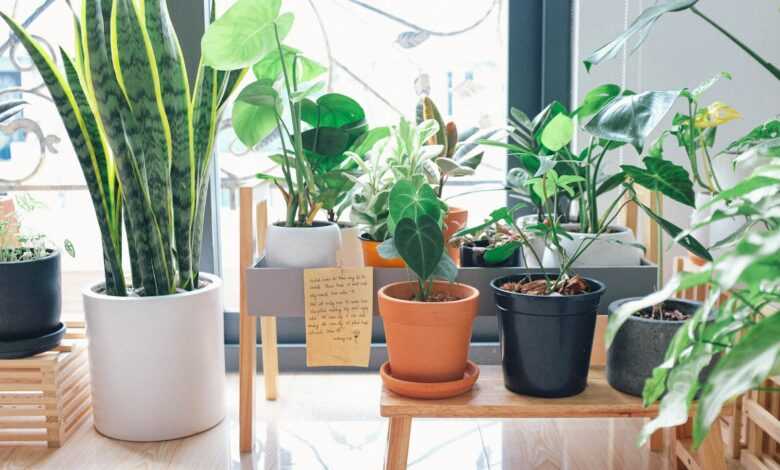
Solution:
(660, 236)
(767, 65)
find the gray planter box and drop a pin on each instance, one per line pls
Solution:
(278, 292)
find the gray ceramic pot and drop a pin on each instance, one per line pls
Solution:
(640, 346)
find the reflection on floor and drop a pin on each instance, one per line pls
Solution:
(331, 422)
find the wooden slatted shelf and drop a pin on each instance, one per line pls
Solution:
(44, 398)
(762, 414)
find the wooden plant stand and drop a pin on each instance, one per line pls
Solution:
(44, 398)
(762, 413)
(490, 399)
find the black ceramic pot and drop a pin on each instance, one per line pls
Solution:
(30, 305)
(473, 256)
(546, 340)
(640, 346)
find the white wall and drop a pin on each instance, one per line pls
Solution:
(682, 51)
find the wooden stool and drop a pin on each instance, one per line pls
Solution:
(490, 399)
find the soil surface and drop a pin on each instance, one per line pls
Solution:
(574, 286)
(439, 297)
(662, 313)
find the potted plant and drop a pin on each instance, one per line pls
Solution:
(492, 243)
(144, 141)
(460, 156)
(30, 292)
(427, 322)
(404, 155)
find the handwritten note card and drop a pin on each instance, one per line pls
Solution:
(338, 316)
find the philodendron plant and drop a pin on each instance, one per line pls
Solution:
(737, 328)
(417, 215)
(142, 136)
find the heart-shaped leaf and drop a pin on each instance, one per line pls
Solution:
(420, 244)
(332, 110)
(412, 198)
(665, 177)
(558, 132)
(255, 112)
(632, 118)
(270, 66)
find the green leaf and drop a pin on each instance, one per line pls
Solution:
(640, 27)
(611, 183)
(743, 188)
(446, 269)
(688, 242)
(332, 110)
(244, 34)
(270, 66)
(699, 90)
(413, 198)
(252, 123)
(368, 140)
(501, 253)
(632, 118)
(262, 94)
(745, 366)
(69, 248)
(558, 132)
(596, 98)
(420, 243)
(665, 177)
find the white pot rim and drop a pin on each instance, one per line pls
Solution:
(320, 225)
(614, 230)
(214, 282)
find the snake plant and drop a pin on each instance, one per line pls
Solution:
(143, 138)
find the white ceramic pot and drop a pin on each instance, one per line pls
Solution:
(157, 364)
(303, 247)
(537, 244)
(615, 247)
(351, 252)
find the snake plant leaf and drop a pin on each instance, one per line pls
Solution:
(558, 132)
(412, 198)
(639, 28)
(688, 242)
(745, 366)
(255, 112)
(631, 118)
(420, 243)
(596, 98)
(665, 177)
(270, 66)
(244, 34)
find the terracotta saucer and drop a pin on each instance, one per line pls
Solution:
(430, 391)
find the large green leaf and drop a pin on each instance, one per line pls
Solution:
(270, 66)
(255, 112)
(558, 132)
(744, 187)
(745, 366)
(688, 241)
(632, 118)
(596, 98)
(640, 27)
(420, 244)
(244, 34)
(413, 198)
(665, 177)
(332, 110)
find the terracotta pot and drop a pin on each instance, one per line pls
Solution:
(455, 220)
(371, 255)
(428, 341)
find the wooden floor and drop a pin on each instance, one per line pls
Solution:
(332, 422)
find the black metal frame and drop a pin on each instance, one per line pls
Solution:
(539, 71)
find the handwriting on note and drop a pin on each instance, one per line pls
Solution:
(338, 303)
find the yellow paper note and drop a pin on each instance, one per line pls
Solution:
(339, 308)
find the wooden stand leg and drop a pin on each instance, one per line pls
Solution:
(247, 331)
(270, 356)
(657, 441)
(398, 433)
(734, 439)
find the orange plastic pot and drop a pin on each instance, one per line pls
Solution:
(455, 220)
(371, 255)
(428, 342)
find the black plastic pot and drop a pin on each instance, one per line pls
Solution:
(546, 340)
(473, 256)
(30, 306)
(640, 346)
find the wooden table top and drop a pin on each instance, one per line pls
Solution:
(490, 399)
